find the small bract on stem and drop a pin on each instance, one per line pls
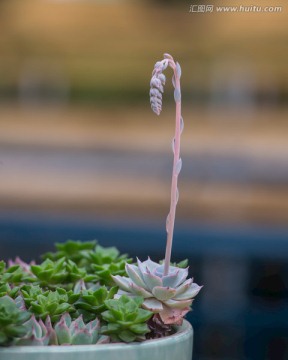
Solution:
(157, 88)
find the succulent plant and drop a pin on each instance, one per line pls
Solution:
(36, 333)
(11, 320)
(6, 289)
(63, 271)
(170, 295)
(31, 292)
(104, 262)
(92, 302)
(72, 250)
(99, 262)
(13, 274)
(76, 332)
(126, 319)
(52, 303)
(26, 268)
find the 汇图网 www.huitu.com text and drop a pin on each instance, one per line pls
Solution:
(236, 9)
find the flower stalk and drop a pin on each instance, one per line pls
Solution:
(157, 83)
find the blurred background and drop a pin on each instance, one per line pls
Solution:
(82, 156)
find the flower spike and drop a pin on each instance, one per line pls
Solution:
(156, 90)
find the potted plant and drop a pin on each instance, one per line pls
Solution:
(96, 300)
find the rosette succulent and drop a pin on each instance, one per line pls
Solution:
(12, 320)
(52, 303)
(98, 262)
(104, 262)
(72, 250)
(92, 302)
(126, 320)
(36, 334)
(63, 271)
(76, 332)
(14, 274)
(169, 295)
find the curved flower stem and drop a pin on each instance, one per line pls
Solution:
(157, 82)
(175, 173)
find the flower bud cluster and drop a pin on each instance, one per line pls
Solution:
(157, 85)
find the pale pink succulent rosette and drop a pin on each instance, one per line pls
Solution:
(169, 295)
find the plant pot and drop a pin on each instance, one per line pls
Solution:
(174, 347)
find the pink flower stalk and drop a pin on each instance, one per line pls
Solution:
(156, 90)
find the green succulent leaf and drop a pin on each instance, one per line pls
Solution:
(2, 266)
(182, 264)
(127, 336)
(5, 289)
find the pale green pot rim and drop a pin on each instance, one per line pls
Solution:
(184, 332)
